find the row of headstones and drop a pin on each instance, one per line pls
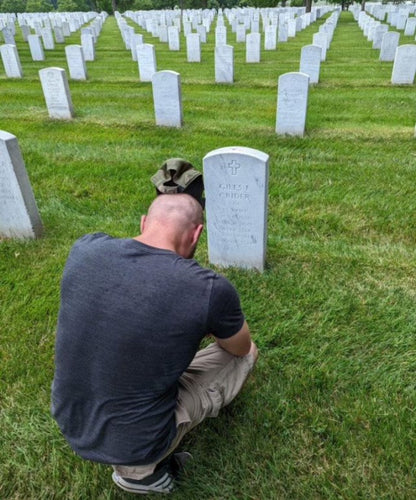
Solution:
(49, 26)
(408, 25)
(404, 56)
(89, 36)
(145, 54)
(236, 192)
(76, 55)
(273, 32)
(167, 95)
(395, 15)
(75, 58)
(191, 19)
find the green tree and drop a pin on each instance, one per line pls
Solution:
(38, 6)
(142, 5)
(13, 6)
(103, 5)
(67, 6)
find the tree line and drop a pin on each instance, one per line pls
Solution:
(16, 6)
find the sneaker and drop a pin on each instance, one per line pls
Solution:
(161, 481)
(178, 461)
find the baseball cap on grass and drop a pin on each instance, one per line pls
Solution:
(177, 175)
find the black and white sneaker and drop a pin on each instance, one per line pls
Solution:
(161, 481)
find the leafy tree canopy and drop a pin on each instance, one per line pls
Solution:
(13, 6)
(38, 6)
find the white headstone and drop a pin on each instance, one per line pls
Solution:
(253, 48)
(65, 29)
(76, 62)
(321, 40)
(410, 26)
(310, 62)
(163, 33)
(270, 37)
(47, 38)
(88, 47)
(404, 67)
(389, 44)
(378, 35)
(36, 47)
(282, 35)
(241, 33)
(291, 28)
(187, 28)
(59, 34)
(292, 103)
(202, 32)
(173, 38)
(220, 35)
(11, 61)
(56, 92)
(236, 190)
(8, 36)
(224, 64)
(167, 98)
(25, 31)
(136, 40)
(19, 216)
(146, 58)
(401, 21)
(193, 47)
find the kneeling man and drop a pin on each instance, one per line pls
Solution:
(129, 379)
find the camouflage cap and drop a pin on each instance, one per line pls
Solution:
(179, 176)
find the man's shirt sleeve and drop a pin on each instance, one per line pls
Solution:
(225, 317)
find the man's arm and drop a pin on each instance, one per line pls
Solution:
(240, 344)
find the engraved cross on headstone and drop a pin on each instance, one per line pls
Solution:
(233, 166)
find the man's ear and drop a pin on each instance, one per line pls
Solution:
(142, 223)
(197, 233)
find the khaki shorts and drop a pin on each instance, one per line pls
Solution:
(212, 381)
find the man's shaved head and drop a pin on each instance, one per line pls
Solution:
(173, 222)
(180, 210)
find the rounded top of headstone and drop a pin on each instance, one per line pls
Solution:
(241, 150)
(5, 136)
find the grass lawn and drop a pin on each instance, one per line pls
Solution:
(330, 410)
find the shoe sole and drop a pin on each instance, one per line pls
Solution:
(165, 485)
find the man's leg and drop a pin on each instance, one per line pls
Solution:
(212, 381)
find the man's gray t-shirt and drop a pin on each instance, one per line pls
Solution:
(130, 322)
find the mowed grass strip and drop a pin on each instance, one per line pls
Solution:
(329, 412)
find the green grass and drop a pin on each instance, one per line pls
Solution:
(329, 412)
